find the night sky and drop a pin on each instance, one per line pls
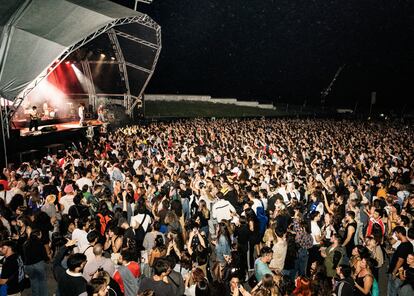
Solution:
(286, 50)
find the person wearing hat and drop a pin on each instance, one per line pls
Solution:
(66, 201)
(49, 206)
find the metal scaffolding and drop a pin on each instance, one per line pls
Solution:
(119, 56)
(132, 101)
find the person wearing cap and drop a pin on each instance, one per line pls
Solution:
(66, 201)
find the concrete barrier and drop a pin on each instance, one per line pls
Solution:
(195, 98)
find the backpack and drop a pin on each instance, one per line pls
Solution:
(103, 221)
(140, 233)
(263, 219)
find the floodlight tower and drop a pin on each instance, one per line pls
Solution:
(143, 1)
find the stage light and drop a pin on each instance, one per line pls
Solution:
(67, 62)
(103, 55)
(113, 58)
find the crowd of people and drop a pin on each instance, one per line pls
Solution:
(215, 207)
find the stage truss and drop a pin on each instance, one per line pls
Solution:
(130, 101)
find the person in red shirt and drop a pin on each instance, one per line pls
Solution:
(375, 218)
(4, 181)
(128, 273)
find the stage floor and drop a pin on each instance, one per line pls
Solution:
(60, 127)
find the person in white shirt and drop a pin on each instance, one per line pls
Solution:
(141, 218)
(85, 180)
(279, 251)
(92, 238)
(81, 113)
(256, 201)
(66, 201)
(222, 209)
(316, 232)
(80, 235)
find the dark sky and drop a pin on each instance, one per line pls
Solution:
(286, 50)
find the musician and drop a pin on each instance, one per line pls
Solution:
(34, 119)
(101, 113)
(46, 109)
(81, 113)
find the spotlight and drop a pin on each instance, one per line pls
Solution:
(67, 62)
(113, 58)
(103, 55)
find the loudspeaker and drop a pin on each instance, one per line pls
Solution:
(48, 128)
(15, 133)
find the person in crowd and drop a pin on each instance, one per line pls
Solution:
(350, 232)
(127, 273)
(210, 195)
(333, 255)
(97, 287)
(364, 279)
(407, 277)
(98, 262)
(345, 284)
(398, 260)
(261, 265)
(34, 259)
(159, 281)
(12, 273)
(175, 278)
(70, 281)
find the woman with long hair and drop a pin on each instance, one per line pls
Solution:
(303, 287)
(223, 242)
(358, 253)
(113, 243)
(364, 279)
(376, 253)
(202, 216)
(159, 250)
(196, 283)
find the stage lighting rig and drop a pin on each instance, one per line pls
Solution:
(143, 1)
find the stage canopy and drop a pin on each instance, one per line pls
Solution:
(39, 34)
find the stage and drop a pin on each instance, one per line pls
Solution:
(59, 127)
(50, 139)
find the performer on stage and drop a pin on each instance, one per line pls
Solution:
(46, 109)
(34, 119)
(101, 113)
(81, 113)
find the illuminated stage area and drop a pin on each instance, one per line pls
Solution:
(53, 76)
(59, 127)
(54, 100)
